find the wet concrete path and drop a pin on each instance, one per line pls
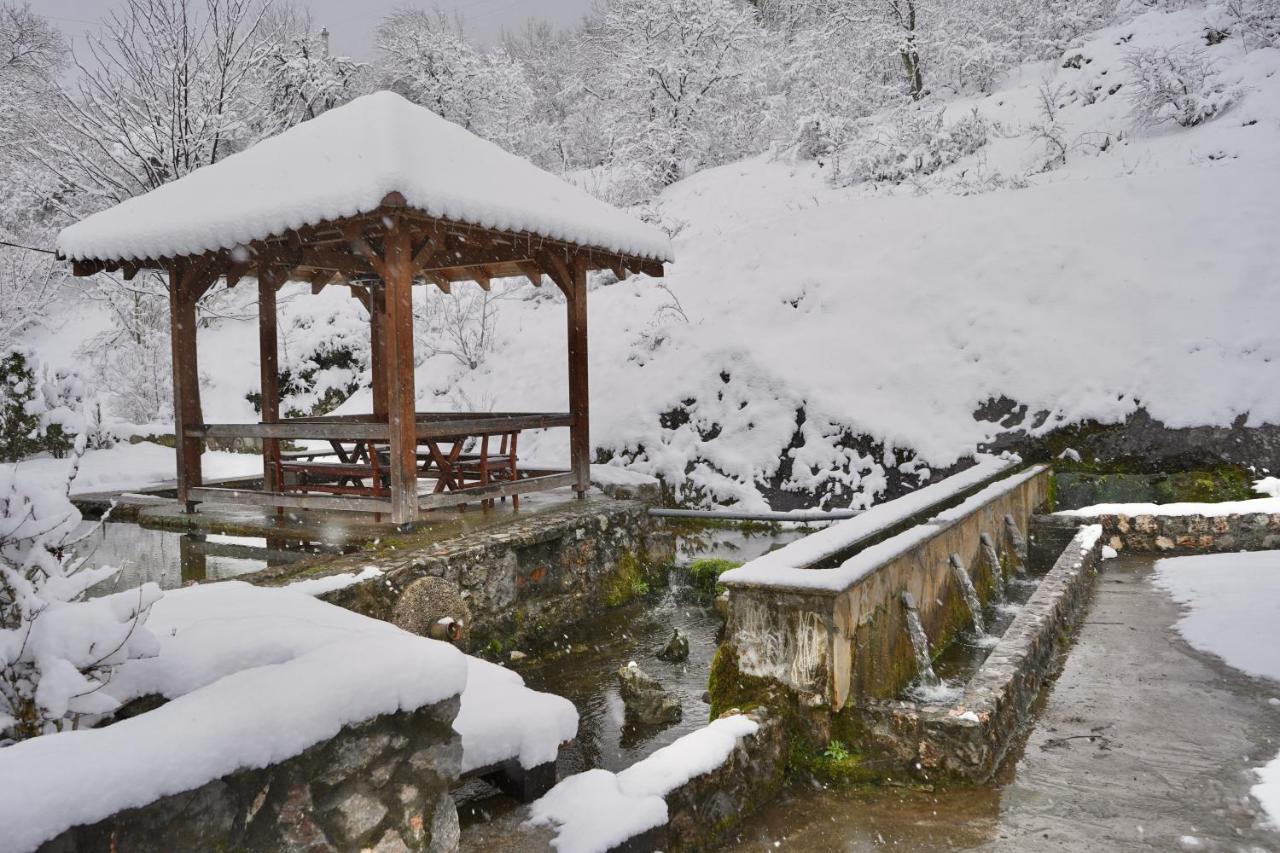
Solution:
(1142, 744)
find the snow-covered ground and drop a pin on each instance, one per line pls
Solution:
(596, 810)
(1139, 272)
(131, 466)
(250, 675)
(1232, 606)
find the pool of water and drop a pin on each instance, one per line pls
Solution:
(174, 559)
(739, 544)
(584, 662)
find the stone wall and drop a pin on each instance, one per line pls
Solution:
(383, 784)
(838, 648)
(1156, 534)
(522, 581)
(971, 737)
(702, 811)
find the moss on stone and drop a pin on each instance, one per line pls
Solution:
(1224, 483)
(704, 574)
(626, 582)
(729, 688)
(837, 763)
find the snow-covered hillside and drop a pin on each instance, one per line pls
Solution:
(824, 337)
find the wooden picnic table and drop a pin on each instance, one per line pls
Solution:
(455, 450)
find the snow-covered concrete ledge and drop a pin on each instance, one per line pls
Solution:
(970, 737)
(274, 717)
(832, 636)
(790, 565)
(683, 796)
(1249, 525)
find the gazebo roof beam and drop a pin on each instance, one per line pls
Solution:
(345, 246)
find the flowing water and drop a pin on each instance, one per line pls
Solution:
(989, 554)
(970, 596)
(1019, 544)
(583, 662)
(919, 644)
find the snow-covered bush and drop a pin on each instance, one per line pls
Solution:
(27, 281)
(1179, 84)
(41, 410)
(57, 648)
(1258, 21)
(913, 142)
(324, 356)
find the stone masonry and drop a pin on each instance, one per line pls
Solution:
(969, 739)
(381, 785)
(1157, 534)
(522, 580)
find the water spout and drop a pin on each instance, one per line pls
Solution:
(919, 643)
(970, 596)
(1019, 544)
(997, 571)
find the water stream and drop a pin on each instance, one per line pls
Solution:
(997, 572)
(970, 596)
(919, 643)
(1019, 544)
(582, 665)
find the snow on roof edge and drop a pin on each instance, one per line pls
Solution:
(344, 163)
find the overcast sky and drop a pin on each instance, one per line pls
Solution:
(351, 22)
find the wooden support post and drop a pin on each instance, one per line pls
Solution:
(397, 345)
(269, 359)
(579, 403)
(377, 350)
(184, 289)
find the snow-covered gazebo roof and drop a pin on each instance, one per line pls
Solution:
(376, 195)
(348, 162)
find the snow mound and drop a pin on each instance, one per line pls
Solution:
(130, 467)
(333, 583)
(597, 810)
(501, 719)
(344, 163)
(254, 675)
(1249, 507)
(1232, 610)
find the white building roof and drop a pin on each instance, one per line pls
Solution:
(344, 163)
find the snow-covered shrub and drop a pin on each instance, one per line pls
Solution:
(57, 648)
(1258, 21)
(324, 357)
(41, 411)
(27, 281)
(913, 142)
(1177, 84)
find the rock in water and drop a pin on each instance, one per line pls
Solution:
(677, 648)
(646, 701)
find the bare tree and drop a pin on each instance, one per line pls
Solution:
(166, 89)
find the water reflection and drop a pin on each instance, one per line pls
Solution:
(175, 559)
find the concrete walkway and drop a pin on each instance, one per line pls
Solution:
(1142, 744)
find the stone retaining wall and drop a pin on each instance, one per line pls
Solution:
(704, 809)
(970, 738)
(1158, 534)
(521, 581)
(382, 784)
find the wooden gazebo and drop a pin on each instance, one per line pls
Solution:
(375, 196)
